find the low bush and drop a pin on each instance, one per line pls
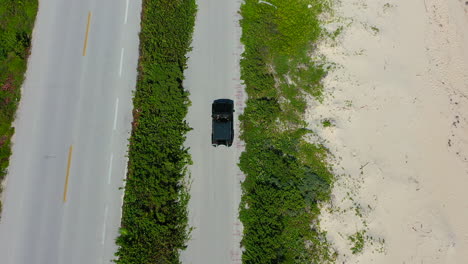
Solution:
(286, 176)
(154, 225)
(16, 24)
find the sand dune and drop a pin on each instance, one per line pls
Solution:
(398, 102)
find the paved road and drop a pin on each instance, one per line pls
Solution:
(72, 100)
(213, 73)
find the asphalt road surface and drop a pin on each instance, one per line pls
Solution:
(213, 73)
(73, 123)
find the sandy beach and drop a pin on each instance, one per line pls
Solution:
(397, 102)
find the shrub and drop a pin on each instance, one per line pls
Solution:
(154, 224)
(286, 177)
(16, 25)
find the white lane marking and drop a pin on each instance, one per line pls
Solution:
(121, 61)
(116, 112)
(110, 169)
(126, 12)
(123, 189)
(104, 225)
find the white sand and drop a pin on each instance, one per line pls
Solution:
(399, 102)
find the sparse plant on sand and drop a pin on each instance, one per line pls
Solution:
(375, 29)
(327, 123)
(357, 241)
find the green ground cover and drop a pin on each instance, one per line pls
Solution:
(16, 25)
(154, 225)
(286, 177)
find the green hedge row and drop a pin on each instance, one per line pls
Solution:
(16, 25)
(154, 225)
(286, 177)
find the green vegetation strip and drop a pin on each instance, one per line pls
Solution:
(154, 224)
(286, 177)
(16, 25)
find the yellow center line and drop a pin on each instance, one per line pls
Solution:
(86, 36)
(68, 173)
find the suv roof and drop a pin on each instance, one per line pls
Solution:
(222, 122)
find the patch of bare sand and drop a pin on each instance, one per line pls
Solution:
(398, 102)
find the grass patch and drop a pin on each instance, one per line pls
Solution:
(287, 176)
(16, 24)
(376, 30)
(327, 123)
(357, 241)
(154, 225)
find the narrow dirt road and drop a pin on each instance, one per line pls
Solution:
(213, 73)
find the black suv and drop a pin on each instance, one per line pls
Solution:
(222, 126)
